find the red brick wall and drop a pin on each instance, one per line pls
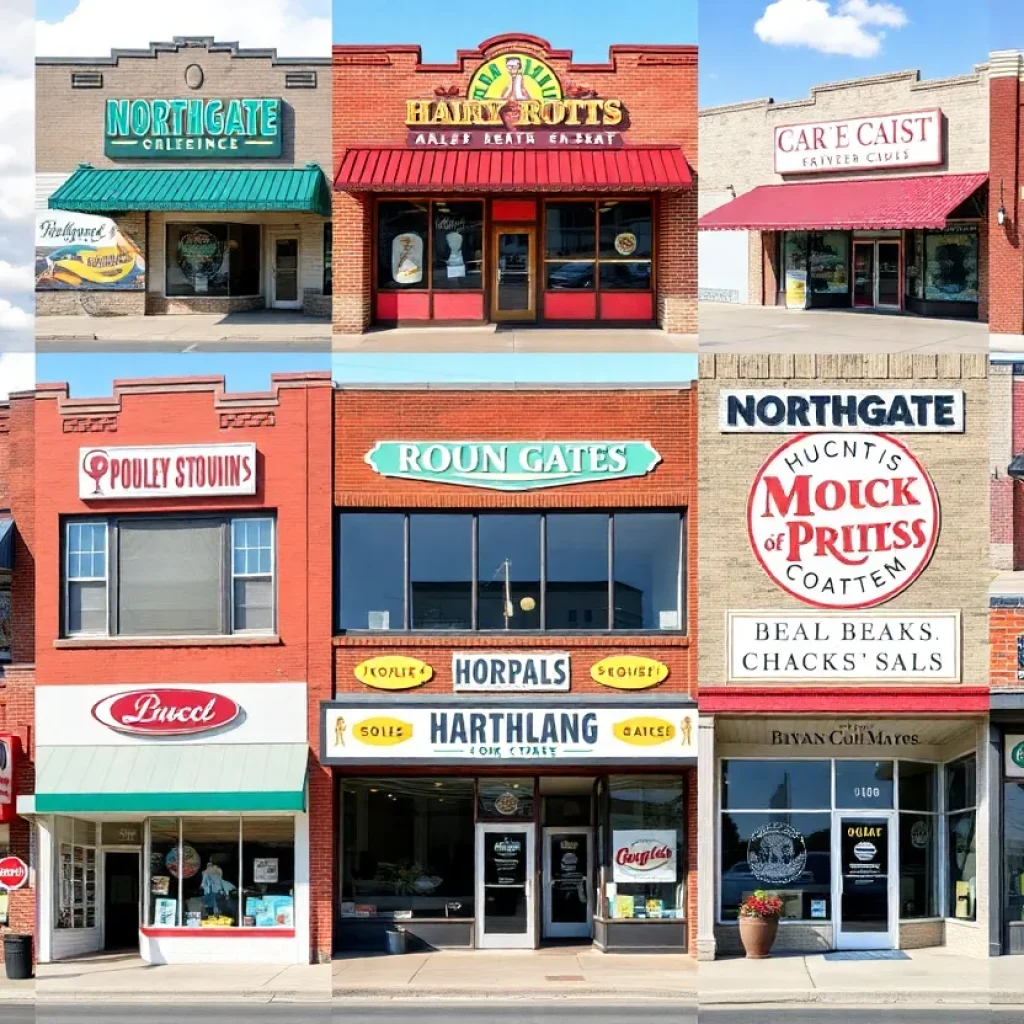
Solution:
(1005, 625)
(291, 427)
(1006, 255)
(658, 87)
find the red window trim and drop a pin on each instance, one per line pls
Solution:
(218, 933)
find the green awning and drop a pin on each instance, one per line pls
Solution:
(91, 190)
(168, 778)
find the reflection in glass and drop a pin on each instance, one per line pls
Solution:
(951, 264)
(508, 571)
(514, 270)
(647, 570)
(1013, 850)
(830, 263)
(441, 571)
(918, 786)
(372, 551)
(776, 785)
(577, 571)
(864, 784)
(458, 244)
(918, 843)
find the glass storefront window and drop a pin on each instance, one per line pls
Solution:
(646, 810)
(961, 830)
(569, 588)
(570, 230)
(830, 263)
(216, 260)
(505, 800)
(1013, 849)
(951, 264)
(458, 245)
(75, 906)
(408, 847)
(625, 244)
(208, 869)
(164, 885)
(402, 230)
(440, 571)
(780, 785)
(268, 873)
(864, 784)
(918, 839)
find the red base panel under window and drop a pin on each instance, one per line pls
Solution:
(627, 306)
(403, 306)
(570, 305)
(458, 306)
(513, 210)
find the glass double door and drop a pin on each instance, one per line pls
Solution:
(864, 881)
(876, 274)
(506, 866)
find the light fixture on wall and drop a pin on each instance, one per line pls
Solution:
(1001, 215)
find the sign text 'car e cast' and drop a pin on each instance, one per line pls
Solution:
(843, 520)
(513, 465)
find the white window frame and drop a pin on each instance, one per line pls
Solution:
(58, 902)
(272, 575)
(68, 579)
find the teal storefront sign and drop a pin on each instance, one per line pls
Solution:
(513, 465)
(190, 129)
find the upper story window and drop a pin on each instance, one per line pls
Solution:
(169, 576)
(556, 571)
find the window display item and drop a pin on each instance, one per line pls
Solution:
(264, 870)
(407, 258)
(165, 913)
(456, 263)
(190, 861)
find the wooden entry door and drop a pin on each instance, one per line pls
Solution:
(514, 282)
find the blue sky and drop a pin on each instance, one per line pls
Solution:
(587, 27)
(942, 37)
(54, 10)
(1006, 20)
(91, 375)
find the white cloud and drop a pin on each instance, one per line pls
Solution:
(13, 318)
(17, 372)
(16, 278)
(854, 29)
(297, 28)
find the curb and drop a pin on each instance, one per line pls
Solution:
(618, 995)
(149, 998)
(851, 997)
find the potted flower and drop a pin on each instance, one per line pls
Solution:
(759, 923)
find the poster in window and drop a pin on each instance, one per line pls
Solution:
(165, 913)
(200, 256)
(160, 885)
(865, 849)
(190, 862)
(796, 289)
(264, 870)
(951, 265)
(505, 858)
(644, 855)
(407, 258)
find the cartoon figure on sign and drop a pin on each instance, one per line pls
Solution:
(686, 729)
(339, 732)
(516, 89)
(218, 892)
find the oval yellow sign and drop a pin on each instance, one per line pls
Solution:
(628, 672)
(393, 672)
(646, 731)
(382, 731)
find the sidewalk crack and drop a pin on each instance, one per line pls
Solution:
(273, 977)
(807, 971)
(420, 968)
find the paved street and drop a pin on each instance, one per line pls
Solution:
(845, 1015)
(725, 327)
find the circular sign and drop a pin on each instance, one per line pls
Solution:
(865, 851)
(776, 853)
(1017, 755)
(507, 803)
(13, 872)
(190, 862)
(843, 520)
(625, 243)
(166, 712)
(919, 835)
(200, 253)
(514, 76)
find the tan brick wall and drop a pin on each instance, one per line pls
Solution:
(957, 576)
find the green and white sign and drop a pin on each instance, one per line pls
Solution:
(194, 128)
(513, 465)
(1014, 767)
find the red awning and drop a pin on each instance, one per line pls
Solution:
(922, 202)
(633, 169)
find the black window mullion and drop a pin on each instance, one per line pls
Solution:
(227, 577)
(407, 589)
(683, 563)
(474, 543)
(543, 571)
(611, 571)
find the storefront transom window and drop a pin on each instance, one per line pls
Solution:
(556, 571)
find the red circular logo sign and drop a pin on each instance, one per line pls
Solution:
(843, 520)
(13, 872)
(166, 712)
(643, 855)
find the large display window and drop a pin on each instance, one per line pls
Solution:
(962, 838)
(213, 260)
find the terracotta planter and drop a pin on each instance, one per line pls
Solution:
(757, 935)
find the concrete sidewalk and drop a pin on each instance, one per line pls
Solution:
(130, 979)
(934, 977)
(545, 974)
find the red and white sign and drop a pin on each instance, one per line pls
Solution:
(843, 520)
(166, 471)
(13, 872)
(166, 712)
(912, 139)
(644, 855)
(7, 758)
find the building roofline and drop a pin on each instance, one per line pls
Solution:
(521, 386)
(207, 43)
(911, 76)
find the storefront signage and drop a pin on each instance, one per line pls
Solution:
(166, 471)
(525, 733)
(900, 648)
(121, 833)
(843, 735)
(912, 139)
(7, 766)
(393, 672)
(515, 100)
(83, 252)
(1014, 763)
(865, 849)
(843, 520)
(512, 465)
(194, 128)
(628, 672)
(13, 872)
(891, 410)
(504, 672)
(166, 712)
(776, 853)
(644, 855)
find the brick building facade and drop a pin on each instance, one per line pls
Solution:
(843, 664)
(217, 497)
(541, 190)
(208, 158)
(515, 584)
(869, 193)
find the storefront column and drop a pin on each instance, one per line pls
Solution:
(353, 258)
(708, 831)
(1001, 485)
(44, 891)
(302, 887)
(992, 769)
